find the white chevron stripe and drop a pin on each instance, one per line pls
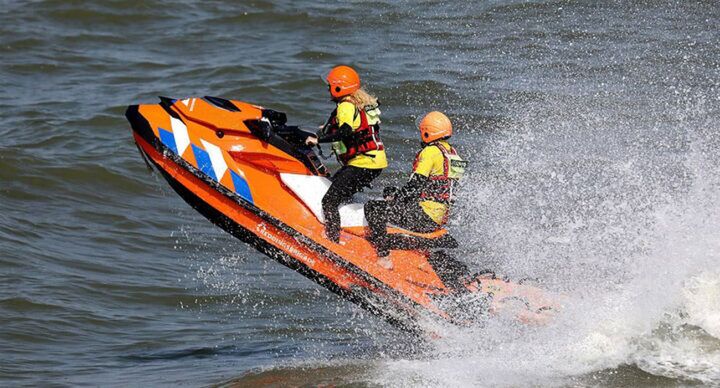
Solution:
(182, 140)
(216, 158)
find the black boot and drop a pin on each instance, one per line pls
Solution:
(451, 271)
(332, 233)
(380, 244)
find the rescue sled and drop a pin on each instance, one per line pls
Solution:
(250, 173)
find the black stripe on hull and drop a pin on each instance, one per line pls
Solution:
(140, 125)
(363, 297)
(243, 234)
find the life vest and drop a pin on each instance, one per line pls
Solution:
(440, 187)
(363, 139)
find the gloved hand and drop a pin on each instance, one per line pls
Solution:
(389, 193)
(411, 190)
(311, 141)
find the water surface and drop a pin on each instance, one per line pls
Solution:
(592, 131)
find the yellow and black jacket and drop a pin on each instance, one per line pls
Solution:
(355, 136)
(436, 170)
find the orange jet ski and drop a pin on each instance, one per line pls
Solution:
(250, 173)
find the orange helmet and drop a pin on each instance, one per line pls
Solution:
(342, 81)
(434, 126)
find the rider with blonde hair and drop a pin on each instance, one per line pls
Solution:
(354, 130)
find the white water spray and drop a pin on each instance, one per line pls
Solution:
(629, 233)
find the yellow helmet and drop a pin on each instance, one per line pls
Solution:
(434, 126)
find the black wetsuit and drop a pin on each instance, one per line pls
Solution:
(405, 214)
(345, 183)
(403, 210)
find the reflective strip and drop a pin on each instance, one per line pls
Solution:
(216, 158)
(203, 161)
(241, 186)
(182, 140)
(377, 140)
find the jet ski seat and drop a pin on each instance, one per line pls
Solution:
(430, 235)
(312, 188)
(407, 239)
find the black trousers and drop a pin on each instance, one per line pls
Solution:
(345, 183)
(405, 214)
(409, 215)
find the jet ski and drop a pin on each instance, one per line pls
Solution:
(250, 173)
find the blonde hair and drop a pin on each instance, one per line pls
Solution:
(361, 99)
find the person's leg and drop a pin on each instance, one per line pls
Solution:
(366, 176)
(450, 270)
(346, 182)
(378, 214)
(414, 218)
(337, 193)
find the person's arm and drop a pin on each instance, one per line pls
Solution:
(345, 116)
(420, 177)
(412, 188)
(342, 132)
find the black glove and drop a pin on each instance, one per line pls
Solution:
(344, 132)
(411, 190)
(390, 192)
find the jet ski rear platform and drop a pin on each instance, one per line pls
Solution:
(247, 171)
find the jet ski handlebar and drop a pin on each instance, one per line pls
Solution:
(272, 123)
(272, 128)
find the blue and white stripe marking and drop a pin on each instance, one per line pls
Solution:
(209, 160)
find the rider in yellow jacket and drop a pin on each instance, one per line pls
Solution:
(423, 203)
(354, 130)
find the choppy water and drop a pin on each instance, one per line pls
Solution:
(592, 128)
